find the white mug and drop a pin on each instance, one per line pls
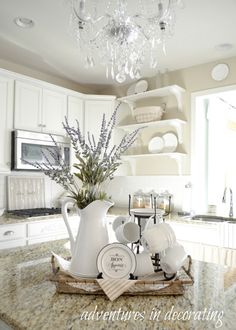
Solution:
(144, 264)
(118, 221)
(127, 233)
(173, 259)
(158, 238)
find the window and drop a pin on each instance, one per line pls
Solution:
(213, 147)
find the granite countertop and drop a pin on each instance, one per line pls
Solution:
(30, 301)
(7, 219)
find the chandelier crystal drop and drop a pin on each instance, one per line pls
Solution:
(122, 34)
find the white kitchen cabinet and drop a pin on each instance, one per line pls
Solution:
(36, 231)
(12, 235)
(76, 111)
(229, 237)
(6, 122)
(51, 229)
(197, 233)
(54, 111)
(28, 105)
(94, 108)
(39, 109)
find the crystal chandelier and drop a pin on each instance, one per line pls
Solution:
(122, 34)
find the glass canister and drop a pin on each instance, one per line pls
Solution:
(148, 201)
(138, 200)
(165, 201)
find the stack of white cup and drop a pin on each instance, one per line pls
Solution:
(126, 231)
(160, 238)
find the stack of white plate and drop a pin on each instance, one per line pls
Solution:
(165, 144)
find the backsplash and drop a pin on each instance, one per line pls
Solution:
(53, 192)
(120, 187)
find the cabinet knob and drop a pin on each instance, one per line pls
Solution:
(8, 233)
(39, 125)
(43, 125)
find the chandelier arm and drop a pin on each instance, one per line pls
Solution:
(96, 35)
(142, 32)
(84, 20)
(167, 11)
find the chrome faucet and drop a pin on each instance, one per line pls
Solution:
(231, 201)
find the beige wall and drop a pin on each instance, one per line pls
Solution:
(194, 78)
(46, 77)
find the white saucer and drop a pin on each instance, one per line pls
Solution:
(116, 261)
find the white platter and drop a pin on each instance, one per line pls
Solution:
(156, 145)
(146, 211)
(116, 261)
(170, 142)
(141, 86)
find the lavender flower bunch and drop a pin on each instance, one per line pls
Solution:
(97, 161)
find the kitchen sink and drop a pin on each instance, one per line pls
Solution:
(213, 218)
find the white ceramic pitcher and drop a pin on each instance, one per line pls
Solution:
(92, 236)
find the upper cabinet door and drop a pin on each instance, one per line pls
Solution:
(6, 122)
(76, 111)
(94, 110)
(27, 106)
(54, 111)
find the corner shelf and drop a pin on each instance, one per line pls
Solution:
(174, 155)
(160, 123)
(177, 156)
(175, 90)
(135, 162)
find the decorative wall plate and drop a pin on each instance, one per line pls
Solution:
(116, 261)
(220, 72)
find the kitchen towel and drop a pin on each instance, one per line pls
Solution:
(114, 288)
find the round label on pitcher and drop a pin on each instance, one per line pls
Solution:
(116, 261)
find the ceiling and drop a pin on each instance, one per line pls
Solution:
(49, 47)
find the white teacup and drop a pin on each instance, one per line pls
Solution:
(127, 233)
(173, 259)
(144, 264)
(158, 238)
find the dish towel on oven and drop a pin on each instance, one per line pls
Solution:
(114, 288)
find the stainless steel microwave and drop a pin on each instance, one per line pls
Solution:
(36, 147)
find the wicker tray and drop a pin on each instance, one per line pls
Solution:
(153, 285)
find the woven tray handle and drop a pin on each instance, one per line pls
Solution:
(55, 269)
(188, 270)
